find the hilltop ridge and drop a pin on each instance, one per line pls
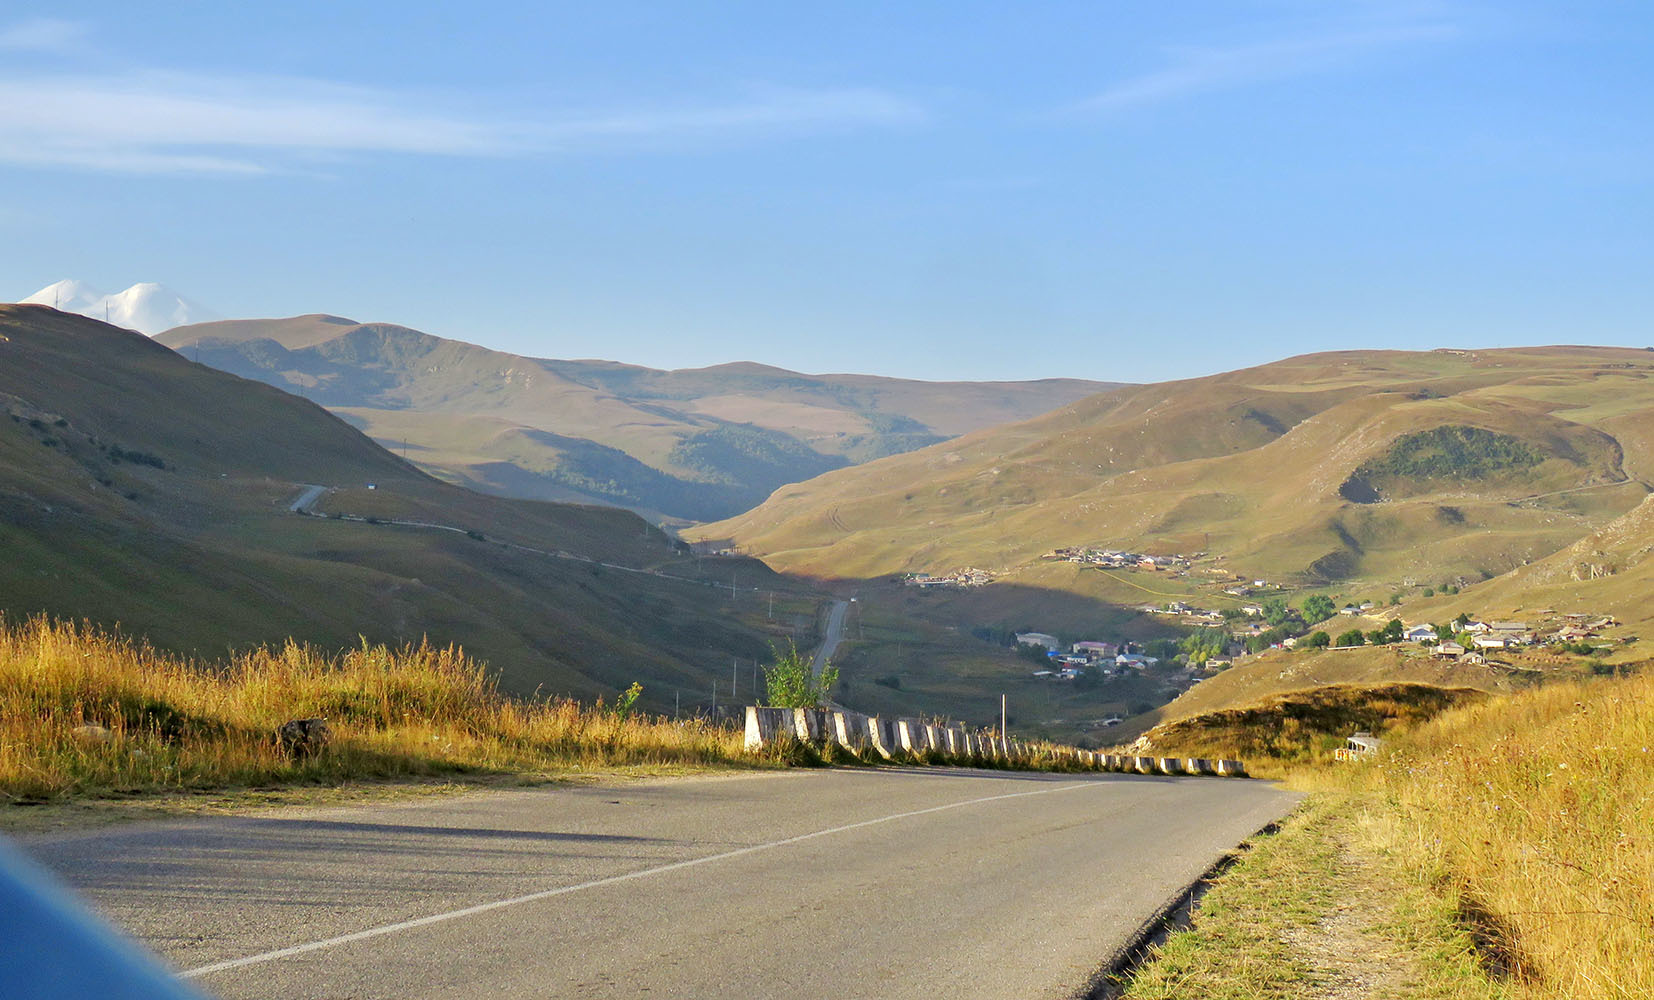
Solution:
(1347, 466)
(691, 444)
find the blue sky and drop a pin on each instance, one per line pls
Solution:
(1109, 190)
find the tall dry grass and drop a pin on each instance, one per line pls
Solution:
(1537, 811)
(87, 711)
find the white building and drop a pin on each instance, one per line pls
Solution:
(1038, 639)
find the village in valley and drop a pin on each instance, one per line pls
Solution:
(1259, 617)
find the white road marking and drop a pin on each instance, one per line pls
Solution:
(436, 918)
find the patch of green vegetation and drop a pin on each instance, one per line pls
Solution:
(1454, 451)
(867, 447)
(752, 457)
(790, 682)
(611, 474)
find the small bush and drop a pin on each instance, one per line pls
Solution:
(790, 682)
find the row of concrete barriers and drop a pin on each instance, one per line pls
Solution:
(915, 737)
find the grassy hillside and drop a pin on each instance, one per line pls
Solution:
(1605, 572)
(1498, 849)
(140, 488)
(696, 444)
(1306, 724)
(1376, 467)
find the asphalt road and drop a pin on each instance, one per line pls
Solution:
(306, 499)
(887, 883)
(831, 638)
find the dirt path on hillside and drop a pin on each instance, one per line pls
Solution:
(1351, 957)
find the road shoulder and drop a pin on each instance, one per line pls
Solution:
(1325, 908)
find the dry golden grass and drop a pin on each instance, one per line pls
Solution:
(1537, 810)
(1304, 726)
(1517, 830)
(87, 712)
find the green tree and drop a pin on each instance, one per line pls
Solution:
(1034, 652)
(1317, 640)
(1444, 633)
(1203, 645)
(1317, 608)
(790, 683)
(1275, 610)
(1352, 638)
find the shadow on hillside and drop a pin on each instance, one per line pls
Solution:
(1023, 608)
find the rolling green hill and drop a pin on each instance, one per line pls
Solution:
(1518, 477)
(694, 444)
(1371, 467)
(139, 488)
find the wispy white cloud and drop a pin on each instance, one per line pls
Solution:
(1192, 70)
(41, 34)
(181, 123)
(766, 112)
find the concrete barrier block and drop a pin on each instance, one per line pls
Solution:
(851, 730)
(1231, 768)
(811, 724)
(933, 738)
(880, 733)
(893, 734)
(1199, 765)
(1143, 765)
(1169, 765)
(910, 735)
(766, 725)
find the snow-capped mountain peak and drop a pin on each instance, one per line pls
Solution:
(146, 307)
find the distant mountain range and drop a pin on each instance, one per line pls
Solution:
(693, 445)
(146, 307)
(139, 488)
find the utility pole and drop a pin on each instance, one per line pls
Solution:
(772, 605)
(714, 699)
(734, 665)
(1002, 734)
(677, 698)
